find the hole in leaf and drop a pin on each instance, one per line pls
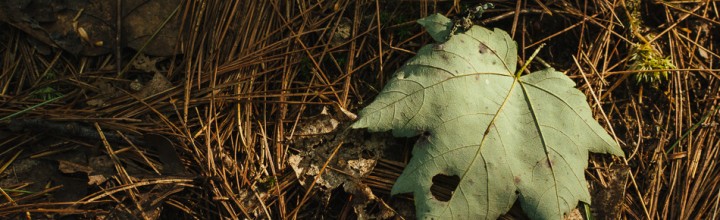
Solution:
(516, 212)
(443, 186)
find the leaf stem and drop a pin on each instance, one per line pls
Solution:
(519, 72)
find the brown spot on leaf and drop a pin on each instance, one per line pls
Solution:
(517, 180)
(444, 57)
(483, 49)
(549, 163)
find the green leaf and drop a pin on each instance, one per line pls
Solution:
(438, 26)
(506, 138)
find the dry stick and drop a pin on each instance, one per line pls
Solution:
(350, 70)
(320, 74)
(594, 71)
(178, 43)
(118, 31)
(675, 24)
(193, 29)
(497, 17)
(49, 68)
(138, 151)
(159, 114)
(287, 80)
(691, 13)
(152, 37)
(305, 95)
(379, 36)
(614, 86)
(683, 114)
(51, 211)
(5, 208)
(698, 45)
(350, 59)
(187, 182)
(10, 161)
(607, 50)
(262, 203)
(612, 131)
(689, 49)
(116, 160)
(310, 189)
(2, 170)
(710, 71)
(583, 29)
(544, 7)
(561, 31)
(640, 130)
(691, 129)
(268, 154)
(516, 17)
(123, 175)
(717, 201)
(593, 68)
(287, 55)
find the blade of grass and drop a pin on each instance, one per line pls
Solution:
(30, 108)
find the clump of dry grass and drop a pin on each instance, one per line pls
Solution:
(251, 72)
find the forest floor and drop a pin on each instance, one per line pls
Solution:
(225, 109)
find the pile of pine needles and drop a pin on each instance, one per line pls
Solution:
(249, 72)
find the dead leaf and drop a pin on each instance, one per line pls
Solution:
(158, 84)
(68, 167)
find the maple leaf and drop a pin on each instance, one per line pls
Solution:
(505, 137)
